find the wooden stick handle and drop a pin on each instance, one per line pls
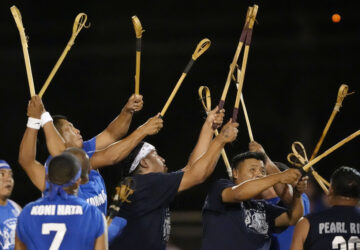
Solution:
(342, 93)
(138, 32)
(330, 150)
(207, 107)
(225, 158)
(202, 46)
(321, 183)
(79, 23)
(247, 119)
(18, 20)
(235, 58)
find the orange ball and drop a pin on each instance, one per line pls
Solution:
(336, 18)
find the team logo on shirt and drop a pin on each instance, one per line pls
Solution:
(255, 220)
(167, 225)
(7, 233)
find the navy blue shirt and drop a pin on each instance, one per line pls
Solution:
(243, 225)
(334, 228)
(148, 216)
(282, 241)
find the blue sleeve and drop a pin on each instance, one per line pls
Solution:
(90, 146)
(272, 212)
(99, 221)
(20, 231)
(213, 200)
(115, 228)
(306, 203)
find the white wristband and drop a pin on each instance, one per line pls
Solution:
(45, 118)
(33, 123)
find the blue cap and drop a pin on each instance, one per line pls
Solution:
(4, 165)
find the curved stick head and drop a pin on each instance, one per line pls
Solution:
(300, 152)
(137, 26)
(207, 97)
(293, 160)
(79, 23)
(202, 46)
(342, 93)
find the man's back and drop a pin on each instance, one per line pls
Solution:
(335, 228)
(60, 224)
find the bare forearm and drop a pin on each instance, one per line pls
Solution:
(120, 125)
(284, 191)
(251, 188)
(296, 209)
(27, 152)
(202, 145)
(117, 151)
(54, 142)
(198, 172)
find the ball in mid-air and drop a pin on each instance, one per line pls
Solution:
(336, 18)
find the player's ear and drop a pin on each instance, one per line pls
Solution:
(234, 174)
(144, 163)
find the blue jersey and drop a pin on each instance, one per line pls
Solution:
(93, 192)
(8, 219)
(60, 224)
(282, 241)
(232, 226)
(334, 228)
(148, 215)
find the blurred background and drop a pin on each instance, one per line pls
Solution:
(298, 59)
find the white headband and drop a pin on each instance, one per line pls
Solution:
(144, 151)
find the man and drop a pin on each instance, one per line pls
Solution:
(93, 191)
(281, 195)
(233, 215)
(337, 227)
(58, 220)
(9, 210)
(148, 213)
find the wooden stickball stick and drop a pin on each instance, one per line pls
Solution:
(18, 20)
(342, 93)
(200, 49)
(79, 23)
(138, 32)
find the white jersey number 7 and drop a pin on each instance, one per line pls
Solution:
(60, 229)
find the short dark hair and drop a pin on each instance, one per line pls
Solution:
(345, 181)
(63, 168)
(82, 157)
(57, 121)
(281, 166)
(247, 155)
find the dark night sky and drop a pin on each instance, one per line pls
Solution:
(298, 59)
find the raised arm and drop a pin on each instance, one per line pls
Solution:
(54, 142)
(198, 172)
(296, 208)
(119, 127)
(300, 234)
(252, 188)
(206, 134)
(27, 153)
(284, 191)
(121, 149)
